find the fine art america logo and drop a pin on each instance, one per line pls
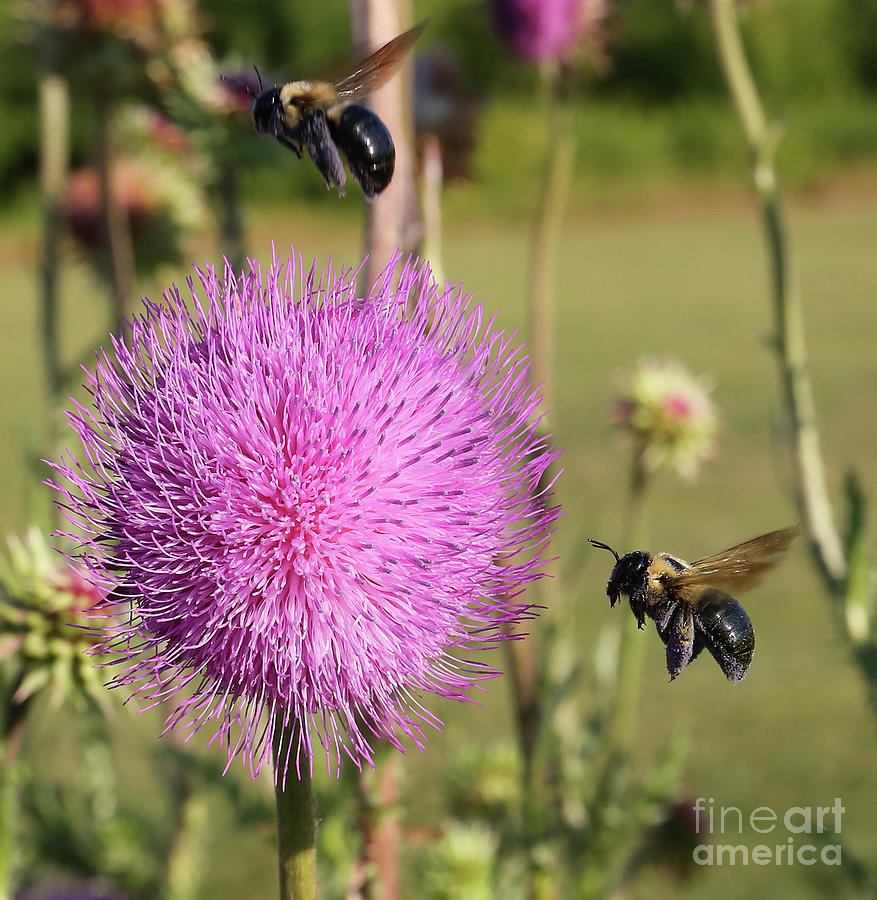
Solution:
(787, 830)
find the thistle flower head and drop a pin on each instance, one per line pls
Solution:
(40, 599)
(159, 195)
(314, 502)
(551, 30)
(668, 414)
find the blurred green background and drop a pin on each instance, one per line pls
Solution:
(661, 255)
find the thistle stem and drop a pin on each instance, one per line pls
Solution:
(54, 111)
(762, 137)
(117, 229)
(54, 107)
(631, 652)
(7, 823)
(546, 237)
(296, 828)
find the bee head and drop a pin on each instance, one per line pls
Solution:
(629, 575)
(268, 112)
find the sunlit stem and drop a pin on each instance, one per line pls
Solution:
(431, 183)
(762, 138)
(296, 829)
(392, 219)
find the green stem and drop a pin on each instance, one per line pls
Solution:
(13, 726)
(296, 829)
(620, 729)
(546, 237)
(54, 106)
(188, 856)
(811, 486)
(117, 230)
(631, 652)
(7, 824)
(54, 109)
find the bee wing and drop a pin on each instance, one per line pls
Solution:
(378, 68)
(737, 568)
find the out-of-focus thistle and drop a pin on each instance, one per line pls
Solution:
(445, 107)
(484, 783)
(116, 47)
(668, 416)
(47, 611)
(157, 183)
(460, 864)
(540, 31)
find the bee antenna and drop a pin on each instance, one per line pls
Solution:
(259, 76)
(603, 546)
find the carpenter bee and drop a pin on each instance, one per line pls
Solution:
(322, 117)
(688, 601)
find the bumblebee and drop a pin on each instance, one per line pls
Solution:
(321, 117)
(688, 601)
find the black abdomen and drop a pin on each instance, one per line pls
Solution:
(727, 632)
(367, 146)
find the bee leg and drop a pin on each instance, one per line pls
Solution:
(290, 144)
(662, 614)
(680, 640)
(315, 137)
(638, 606)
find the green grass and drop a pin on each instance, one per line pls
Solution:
(686, 278)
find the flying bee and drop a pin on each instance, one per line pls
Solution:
(688, 601)
(322, 117)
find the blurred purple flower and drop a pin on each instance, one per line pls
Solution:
(313, 504)
(545, 30)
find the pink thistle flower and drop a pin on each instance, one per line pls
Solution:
(313, 502)
(668, 415)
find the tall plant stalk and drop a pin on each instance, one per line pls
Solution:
(54, 112)
(843, 565)
(631, 647)
(296, 828)
(544, 247)
(763, 138)
(117, 231)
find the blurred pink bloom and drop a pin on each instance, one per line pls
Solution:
(668, 415)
